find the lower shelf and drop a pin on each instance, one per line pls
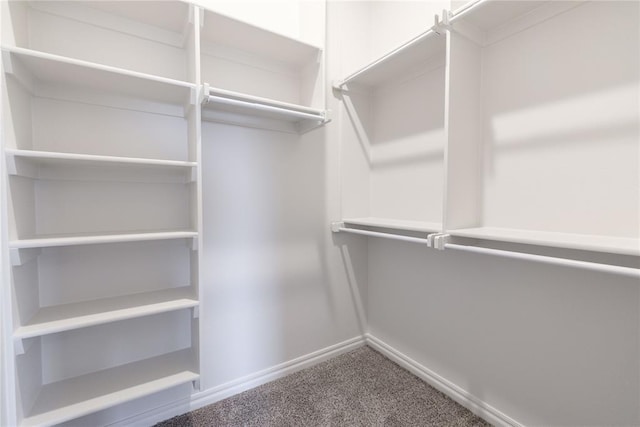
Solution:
(609, 244)
(75, 397)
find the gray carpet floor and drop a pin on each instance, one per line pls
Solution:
(359, 388)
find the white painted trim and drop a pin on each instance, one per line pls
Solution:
(215, 394)
(464, 398)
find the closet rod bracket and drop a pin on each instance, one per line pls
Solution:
(336, 226)
(439, 240)
(440, 26)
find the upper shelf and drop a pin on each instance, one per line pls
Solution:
(57, 69)
(610, 244)
(24, 162)
(88, 239)
(225, 101)
(397, 62)
(231, 33)
(168, 15)
(488, 21)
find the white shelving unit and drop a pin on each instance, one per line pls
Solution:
(395, 106)
(104, 103)
(257, 78)
(528, 155)
(102, 200)
(532, 159)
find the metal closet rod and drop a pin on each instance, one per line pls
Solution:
(384, 235)
(584, 265)
(263, 107)
(564, 262)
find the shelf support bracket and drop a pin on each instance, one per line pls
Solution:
(22, 345)
(7, 62)
(196, 312)
(21, 256)
(18, 166)
(196, 385)
(194, 244)
(18, 346)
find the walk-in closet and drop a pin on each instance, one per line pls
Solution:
(320, 212)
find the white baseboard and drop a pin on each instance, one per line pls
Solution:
(464, 398)
(215, 394)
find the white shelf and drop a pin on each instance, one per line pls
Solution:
(48, 158)
(394, 224)
(488, 21)
(76, 73)
(88, 239)
(231, 33)
(49, 320)
(168, 15)
(68, 399)
(617, 245)
(397, 62)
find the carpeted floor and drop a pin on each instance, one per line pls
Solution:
(359, 388)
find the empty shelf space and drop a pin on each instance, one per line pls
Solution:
(57, 69)
(66, 317)
(37, 159)
(618, 245)
(231, 33)
(398, 62)
(68, 399)
(395, 224)
(87, 238)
